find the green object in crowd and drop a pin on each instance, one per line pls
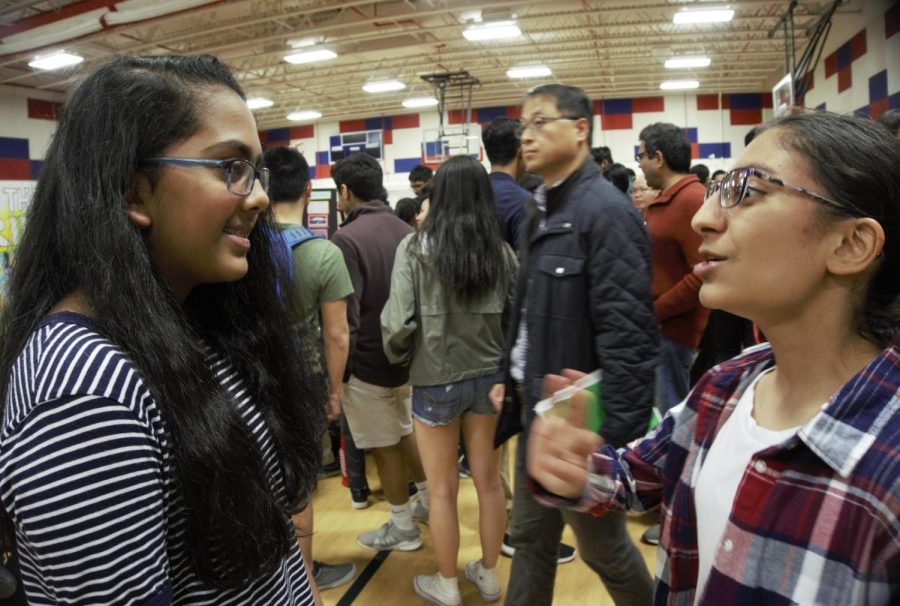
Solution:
(560, 403)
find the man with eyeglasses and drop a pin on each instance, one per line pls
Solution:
(664, 155)
(582, 302)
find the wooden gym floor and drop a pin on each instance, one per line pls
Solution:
(337, 525)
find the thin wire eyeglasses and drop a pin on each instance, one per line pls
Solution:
(637, 157)
(733, 188)
(240, 174)
(539, 122)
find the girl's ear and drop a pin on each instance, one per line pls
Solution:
(139, 191)
(861, 244)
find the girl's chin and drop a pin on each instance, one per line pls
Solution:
(711, 299)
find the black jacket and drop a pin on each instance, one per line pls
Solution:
(585, 280)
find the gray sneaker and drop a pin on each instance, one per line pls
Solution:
(420, 513)
(391, 537)
(333, 575)
(651, 535)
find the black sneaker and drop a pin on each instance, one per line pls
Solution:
(333, 575)
(464, 471)
(566, 552)
(359, 497)
(651, 535)
(330, 470)
(506, 547)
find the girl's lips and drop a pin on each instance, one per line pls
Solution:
(704, 268)
(239, 239)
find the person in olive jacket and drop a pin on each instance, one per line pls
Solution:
(582, 302)
(451, 290)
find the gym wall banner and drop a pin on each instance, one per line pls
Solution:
(15, 196)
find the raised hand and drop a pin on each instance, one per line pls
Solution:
(558, 449)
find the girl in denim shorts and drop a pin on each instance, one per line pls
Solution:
(451, 290)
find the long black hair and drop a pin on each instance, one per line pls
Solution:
(461, 233)
(855, 161)
(78, 238)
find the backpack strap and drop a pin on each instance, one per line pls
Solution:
(292, 238)
(295, 236)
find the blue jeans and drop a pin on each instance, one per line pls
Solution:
(673, 374)
(438, 405)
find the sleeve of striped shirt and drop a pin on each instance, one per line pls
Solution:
(84, 478)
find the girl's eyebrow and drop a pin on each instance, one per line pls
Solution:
(764, 168)
(243, 150)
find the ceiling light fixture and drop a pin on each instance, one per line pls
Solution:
(684, 62)
(679, 84)
(56, 61)
(413, 102)
(303, 42)
(307, 114)
(310, 56)
(703, 15)
(259, 102)
(529, 71)
(383, 86)
(494, 30)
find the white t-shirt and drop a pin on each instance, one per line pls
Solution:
(722, 471)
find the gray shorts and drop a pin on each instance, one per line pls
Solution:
(437, 405)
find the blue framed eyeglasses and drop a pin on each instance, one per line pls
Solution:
(736, 184)
(239, 173)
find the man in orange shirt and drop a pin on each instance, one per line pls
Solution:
(665, 158)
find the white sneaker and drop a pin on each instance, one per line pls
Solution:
(426, 585)
(488, 588)
(390, 536)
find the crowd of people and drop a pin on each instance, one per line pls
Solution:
(175, 344)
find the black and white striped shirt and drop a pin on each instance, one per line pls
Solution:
(86, 473)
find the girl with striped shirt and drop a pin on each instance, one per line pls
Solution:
(158, 429)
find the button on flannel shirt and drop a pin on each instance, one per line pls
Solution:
(815, 518)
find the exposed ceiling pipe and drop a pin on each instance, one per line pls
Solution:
(53, 33)
(15, 6)
(84, 18)
(49, 17)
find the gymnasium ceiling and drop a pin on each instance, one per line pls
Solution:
(609, 48)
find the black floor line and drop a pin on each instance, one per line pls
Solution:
(363, 579)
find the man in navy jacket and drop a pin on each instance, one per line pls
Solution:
(583, 302)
